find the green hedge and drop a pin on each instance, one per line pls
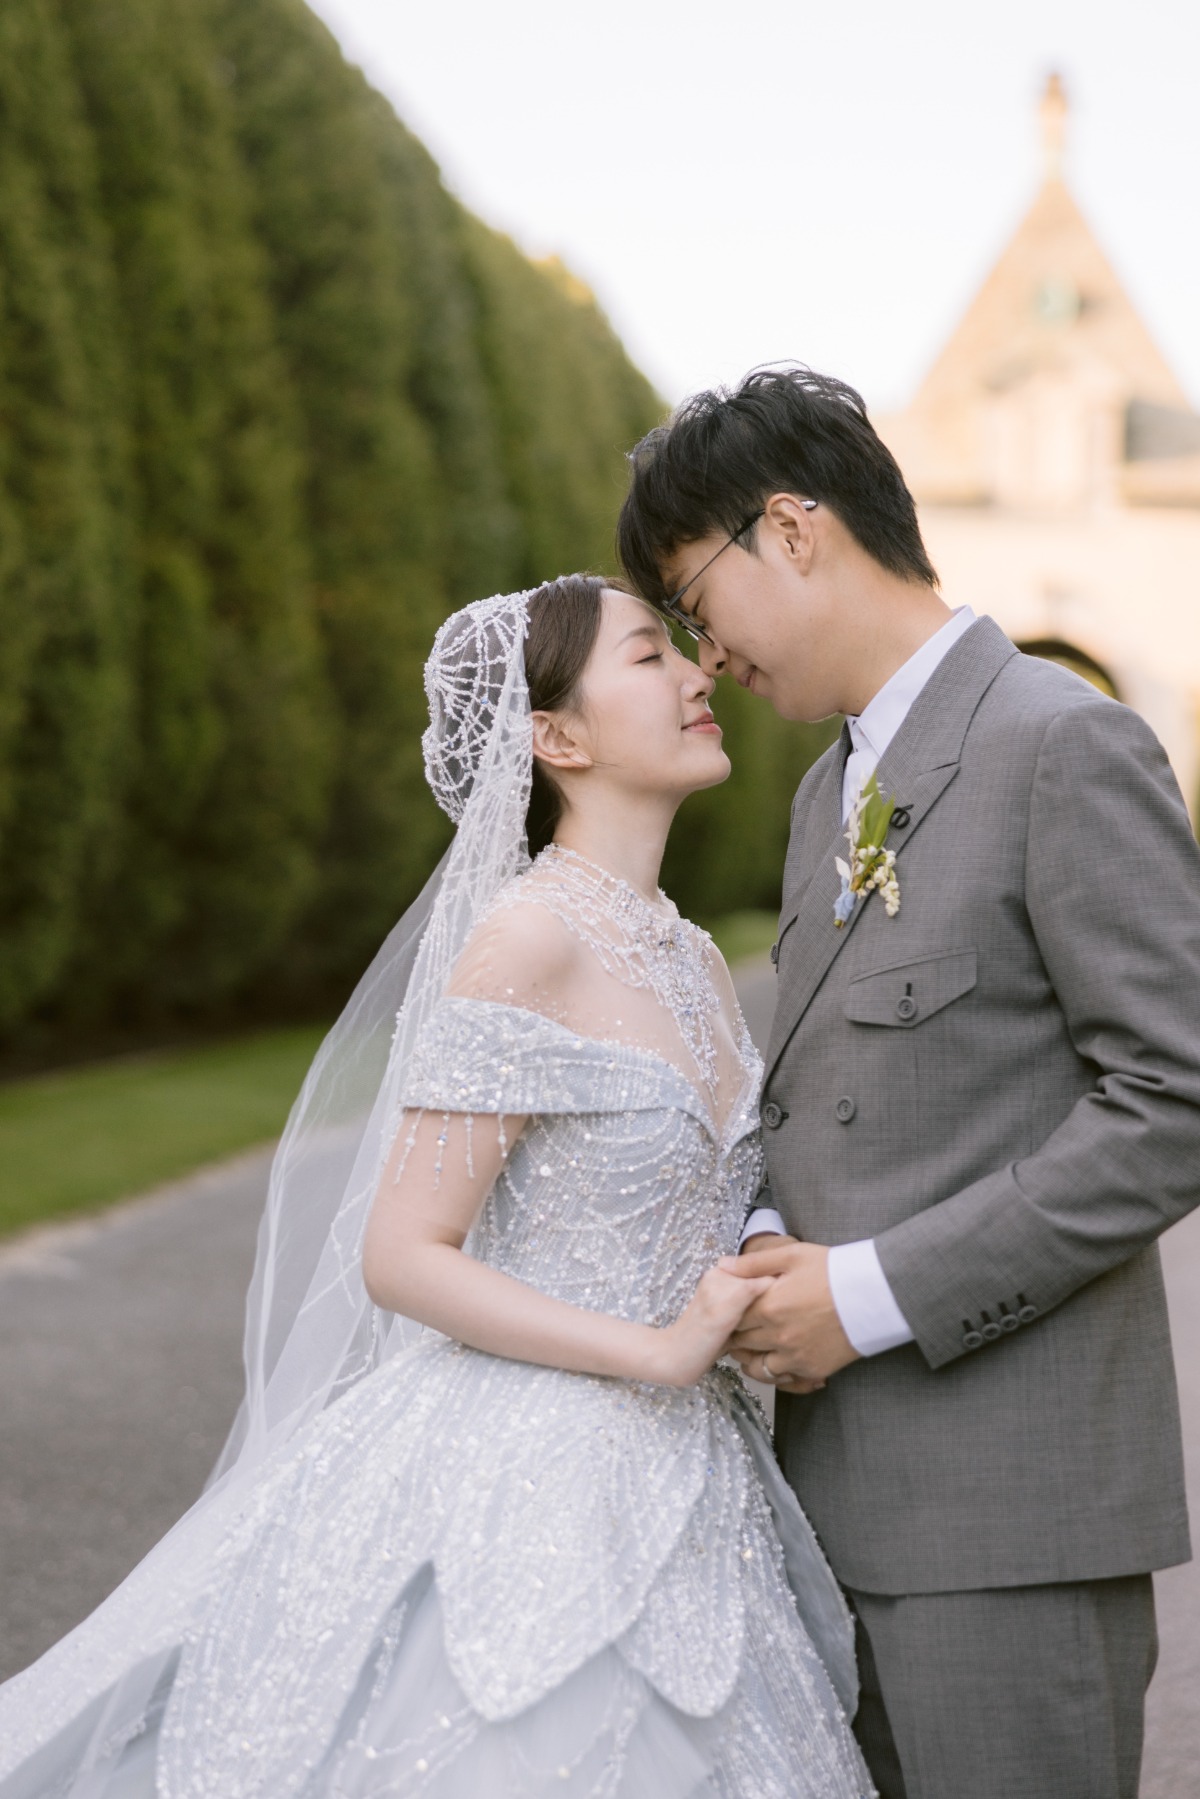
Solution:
(271, 404)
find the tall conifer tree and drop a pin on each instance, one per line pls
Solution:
(65, 572)
(271, 404)
(566, 399)
(230, 779)
(340, 278)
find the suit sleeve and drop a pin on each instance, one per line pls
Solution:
(1113, 898)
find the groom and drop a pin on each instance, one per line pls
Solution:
(980, 1112)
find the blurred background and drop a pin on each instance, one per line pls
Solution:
(317, 322)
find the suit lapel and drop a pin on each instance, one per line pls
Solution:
(821, 817)
(920, 763)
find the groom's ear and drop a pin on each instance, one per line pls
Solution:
(556, 743)
(790, 524)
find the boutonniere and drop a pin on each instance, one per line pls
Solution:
(870, 864)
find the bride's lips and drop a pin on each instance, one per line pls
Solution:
(705, 723)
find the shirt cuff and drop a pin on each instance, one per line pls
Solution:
(763, 1218)
(865, 1302)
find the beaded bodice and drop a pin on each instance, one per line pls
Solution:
(621, 1191)
(638, 1079)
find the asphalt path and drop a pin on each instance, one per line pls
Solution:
(120, 1371)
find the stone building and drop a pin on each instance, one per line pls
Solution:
(1056, 463)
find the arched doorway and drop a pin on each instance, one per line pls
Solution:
(1069, 655)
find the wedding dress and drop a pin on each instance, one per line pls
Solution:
(464, 1577)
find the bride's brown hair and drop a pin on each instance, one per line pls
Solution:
(564, 622)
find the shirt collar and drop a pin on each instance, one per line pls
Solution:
(878, 722)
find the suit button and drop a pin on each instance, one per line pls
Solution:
(972, 1340)
(773, 1115)
(1027, 1314)
(775, 954)
(1008, 1322)
(990, 1332)
(906, 1007)
(845, 1109)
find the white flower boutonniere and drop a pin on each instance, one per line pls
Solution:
(870, 865)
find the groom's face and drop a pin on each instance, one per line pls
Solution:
(766, 609)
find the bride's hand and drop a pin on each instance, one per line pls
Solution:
(688, 1348)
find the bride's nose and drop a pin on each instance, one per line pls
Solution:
(698, 683)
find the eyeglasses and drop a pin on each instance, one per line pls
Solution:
(673, 610)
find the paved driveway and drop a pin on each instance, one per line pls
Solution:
(120, 1371)
(120, 1345)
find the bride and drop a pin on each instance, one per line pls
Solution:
(495, 1521)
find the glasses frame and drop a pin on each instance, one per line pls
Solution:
(671, 608)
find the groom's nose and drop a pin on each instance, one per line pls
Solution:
(714, 658)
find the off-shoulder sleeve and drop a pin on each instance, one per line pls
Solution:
(479, 1056)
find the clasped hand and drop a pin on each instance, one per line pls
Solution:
(791, 1336)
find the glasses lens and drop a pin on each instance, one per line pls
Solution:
(682, 625)
(685, 641)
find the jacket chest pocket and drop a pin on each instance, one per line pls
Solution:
(906, 995)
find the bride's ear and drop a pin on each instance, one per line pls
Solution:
(556, 743)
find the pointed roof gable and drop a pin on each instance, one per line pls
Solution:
(1052, 300)
(1051, 329)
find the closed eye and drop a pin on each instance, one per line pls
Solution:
(657, 657)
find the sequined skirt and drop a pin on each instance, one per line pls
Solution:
(476, 1579)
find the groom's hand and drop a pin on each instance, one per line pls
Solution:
(791, 1336)
(762, 1240)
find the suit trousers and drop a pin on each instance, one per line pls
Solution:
(1011, 1693)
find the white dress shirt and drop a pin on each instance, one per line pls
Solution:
(865, 1302)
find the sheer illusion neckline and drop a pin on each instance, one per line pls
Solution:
(664, 912)
(719, 1132)
(645, 947)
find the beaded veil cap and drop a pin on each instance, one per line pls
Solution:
(478, 699)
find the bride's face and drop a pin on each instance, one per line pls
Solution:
(643, 722)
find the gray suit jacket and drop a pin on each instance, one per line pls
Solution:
(1002, 1087)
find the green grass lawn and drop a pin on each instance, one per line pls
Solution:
(74, 1141)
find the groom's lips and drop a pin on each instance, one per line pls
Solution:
(747, 679)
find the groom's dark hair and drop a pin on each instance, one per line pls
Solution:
(724, 452)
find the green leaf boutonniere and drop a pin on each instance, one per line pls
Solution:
(870, 864)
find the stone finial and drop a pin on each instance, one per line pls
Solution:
(1053, 117)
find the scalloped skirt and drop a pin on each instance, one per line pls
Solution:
(605, 1733)
(495, 1582)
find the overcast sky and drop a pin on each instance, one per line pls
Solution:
(745, 180)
